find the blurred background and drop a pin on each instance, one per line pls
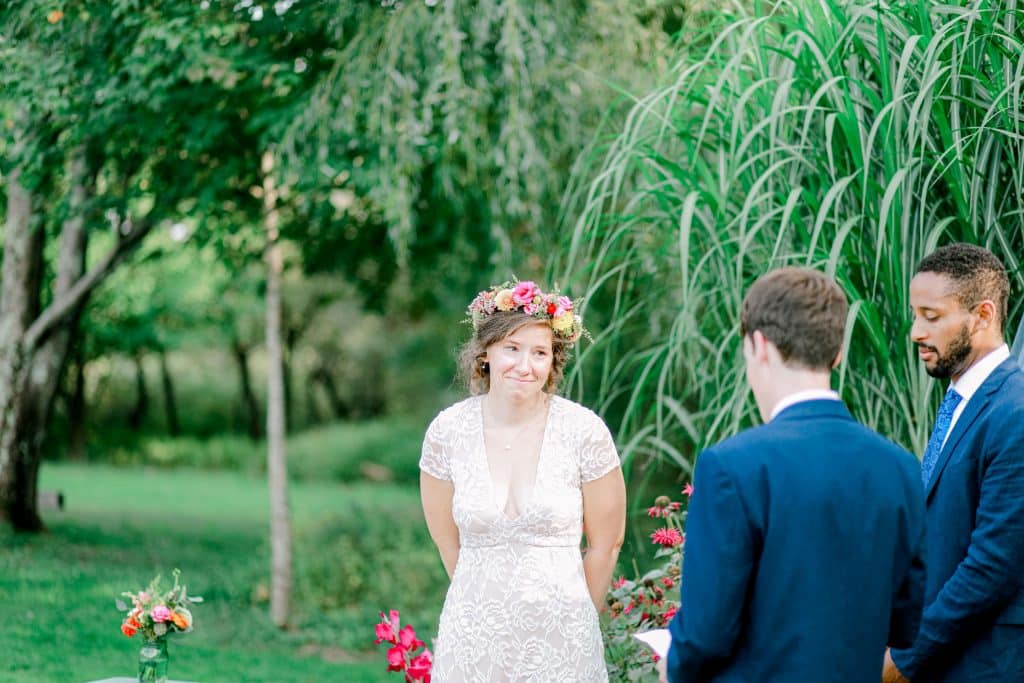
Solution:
(224, 217)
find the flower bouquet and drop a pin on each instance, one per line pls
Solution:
(157, 613)
(402, 655)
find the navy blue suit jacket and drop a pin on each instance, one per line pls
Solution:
(973, 624)
(804, 553)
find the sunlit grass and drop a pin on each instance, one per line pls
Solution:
(121, 527)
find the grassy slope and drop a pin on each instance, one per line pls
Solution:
(121, 527)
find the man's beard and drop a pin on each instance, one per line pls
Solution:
(954, 360)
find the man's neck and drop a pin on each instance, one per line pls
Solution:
(979, 352)
(789, 381)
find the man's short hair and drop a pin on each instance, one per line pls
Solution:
(802, 312)
(976, 273)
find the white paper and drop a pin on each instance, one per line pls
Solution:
(658, 640)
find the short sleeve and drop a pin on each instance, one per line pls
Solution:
(433, 459)
(598, 456)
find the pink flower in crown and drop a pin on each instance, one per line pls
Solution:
(530, 309)
(524, 292)
(419, 667)
(160, 613)
(564, 306)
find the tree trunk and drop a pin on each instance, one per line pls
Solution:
(290, 337)
(19, 306)
(313, 415)
(29, 335)
(170, 404)
(52, 356)
(323, 375)
(138, 413)
(250, 406)
(277, 473)
(77, 410)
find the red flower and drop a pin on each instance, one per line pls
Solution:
(128, 629)
(384, 632)
(552, 308)
(620, 583)
(668, 582)
(407, 638)
(387, 628)
(667, 537)
(688, 490)
(656, 656)
(396, 659)
(658, 512)
(675, 505)
(670, 612)
(419, 667)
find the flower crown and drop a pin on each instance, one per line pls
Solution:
(528, 298)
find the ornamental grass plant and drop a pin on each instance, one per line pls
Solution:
(847, 136)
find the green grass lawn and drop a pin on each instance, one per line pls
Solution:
(120, 527)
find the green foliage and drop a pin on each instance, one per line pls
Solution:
(212, 526)
(845, 136)
(443, 135)
(375, 557)
(386, 449)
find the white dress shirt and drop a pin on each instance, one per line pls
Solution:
(800, 397)
(971, 381)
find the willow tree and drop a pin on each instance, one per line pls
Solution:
(841, 135)
(442, 140)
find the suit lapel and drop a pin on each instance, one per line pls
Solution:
(975, 407)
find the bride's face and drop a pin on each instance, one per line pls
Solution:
(521, 362)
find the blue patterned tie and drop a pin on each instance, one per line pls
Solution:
(942, 422)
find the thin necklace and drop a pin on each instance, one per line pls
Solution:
(530, 421)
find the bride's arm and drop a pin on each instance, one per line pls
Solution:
(604, 523)
(436, 496)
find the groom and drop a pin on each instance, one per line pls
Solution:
(804, 536)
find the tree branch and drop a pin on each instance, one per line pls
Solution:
(63, 306)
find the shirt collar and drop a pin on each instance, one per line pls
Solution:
(800, 397)
(976, 375)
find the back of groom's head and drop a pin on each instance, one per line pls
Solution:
(802, 312)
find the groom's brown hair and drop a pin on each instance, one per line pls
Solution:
(801, 311)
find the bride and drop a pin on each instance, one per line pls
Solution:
(510, 480)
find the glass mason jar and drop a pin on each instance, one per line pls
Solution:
(153, 661)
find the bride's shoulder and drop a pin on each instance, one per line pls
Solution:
(576, 412)
(457, 413)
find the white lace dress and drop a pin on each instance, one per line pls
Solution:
(518, 608)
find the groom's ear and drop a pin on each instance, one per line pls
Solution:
(759, 346)
(838, 360)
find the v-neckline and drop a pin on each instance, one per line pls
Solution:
(485, 463)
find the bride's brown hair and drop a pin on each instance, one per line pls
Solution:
(473, 370)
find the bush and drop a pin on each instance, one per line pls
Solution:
(371, 559)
